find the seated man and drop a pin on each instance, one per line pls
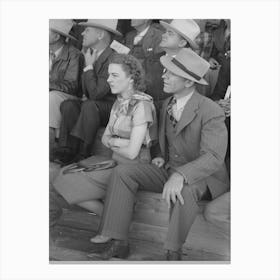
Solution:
(64, 72)
(189, 166)
(81, 120)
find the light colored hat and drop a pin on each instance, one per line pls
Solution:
(62, 26)
(187, 28)
(107, 24)
(187, 64)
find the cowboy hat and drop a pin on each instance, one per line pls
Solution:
(187, 64)
(62, 27)
(187, 28)
(107, 24)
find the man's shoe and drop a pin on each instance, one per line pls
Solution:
(99, 248)
(117, 249)
(173, 255)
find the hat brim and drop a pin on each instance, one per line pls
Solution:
(116, 32)
(193, 44)
(166, 61)
(64, 34)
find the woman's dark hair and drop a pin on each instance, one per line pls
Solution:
(132, 67)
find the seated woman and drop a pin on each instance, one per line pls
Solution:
(131, 128)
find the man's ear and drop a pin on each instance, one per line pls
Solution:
(189, 83)
(183, 43)
(57, 37)
(101, 34)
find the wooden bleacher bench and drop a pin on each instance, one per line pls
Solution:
(205, 242)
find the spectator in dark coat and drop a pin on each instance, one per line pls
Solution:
(64, 71)
(81, 120)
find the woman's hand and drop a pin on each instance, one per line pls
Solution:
(158, 161)
(111, 142)
(121, 142)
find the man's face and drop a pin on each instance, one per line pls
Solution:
(170, 39)
(172, 83)
(90, 37)
(138, 22)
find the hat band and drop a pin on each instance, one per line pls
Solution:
(182, 67)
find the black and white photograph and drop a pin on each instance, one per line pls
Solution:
(123, 155)
(139, 120)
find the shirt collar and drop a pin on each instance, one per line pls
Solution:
(100, 52)
(182, 101)
(57, 52)
(173, 55)
(143, 32)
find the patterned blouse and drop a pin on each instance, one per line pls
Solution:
(127, 113)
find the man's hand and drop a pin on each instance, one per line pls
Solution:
(172, 189)
(213, 63)
(158, 161)
(225, 104)
(90, 58)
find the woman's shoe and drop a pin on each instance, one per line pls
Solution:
(100, 239)
(118, 249)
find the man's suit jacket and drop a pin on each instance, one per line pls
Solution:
(201, 137)
(151, 52)
(94, 82)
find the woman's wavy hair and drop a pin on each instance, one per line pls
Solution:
(132, 67)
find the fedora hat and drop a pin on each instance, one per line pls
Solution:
(107, 24)
(187, 28)
(62, 27)
(187, 64)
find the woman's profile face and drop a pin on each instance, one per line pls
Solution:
(118, 80)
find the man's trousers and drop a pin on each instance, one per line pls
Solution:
(82, 120)
(120, 198)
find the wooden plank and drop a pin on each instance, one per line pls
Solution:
(79, 220)
(203, 235)
(146, 232)
(151, 217)
(74, 245)
(53, 170)
(207, 237)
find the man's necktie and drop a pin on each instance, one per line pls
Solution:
(169, 111)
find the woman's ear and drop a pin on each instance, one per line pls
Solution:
(131, 83)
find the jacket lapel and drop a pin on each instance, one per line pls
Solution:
(148, 37)
(162, 125)
(102, 58)
(189, 112)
